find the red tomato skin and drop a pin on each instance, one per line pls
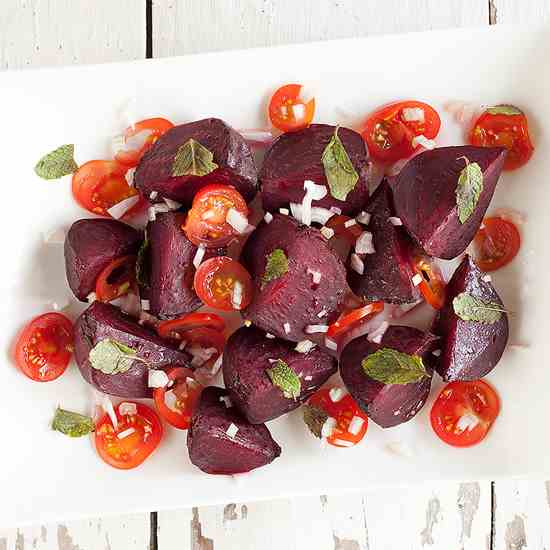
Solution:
(166, 329)
(286, 97)
(496, 244)
(106, 292)
(434, 291)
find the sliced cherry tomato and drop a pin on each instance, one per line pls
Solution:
(116, 279)
(176, 328)
(390, 130)
(99, 184)
(139, 138)
(289, 112)
(352, 319)
(176, 402)
(206, 221)
(216, 282)
(464, 412)
(338, 225)
(44, 347)
(496, 244)
(205, 346)
(347, 414)
(134, 439)
(432, 286)
(504, 126)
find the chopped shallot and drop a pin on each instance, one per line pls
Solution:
(199, 255)
(120, 208)
(315, 276)
(318, 214)
(304, 346)
(236, 220)
(363, 244)
(363, 218)
(376, 335)
(394, 220)
(357, 264)
(312, 329)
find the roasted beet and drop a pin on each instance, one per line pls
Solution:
(90, 246)
(221, 441)
(388, 404)
(470, 349)
(104, 321)
(425, 196)
(293, 300)
(231, 154)
(296, 156)
(388, 272)
(246, 358)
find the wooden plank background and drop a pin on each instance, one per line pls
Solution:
(503, 515)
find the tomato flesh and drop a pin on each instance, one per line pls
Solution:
(117, 279)
(464, 412)
(432, 286)
(288, 111)
(496, 244)
(44, 347)
(351, 319)
(389, 133)
(176, 328)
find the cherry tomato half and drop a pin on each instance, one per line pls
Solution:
(175, 403)
(390, 130)
(504, 126)
(432, 286)
(134, 439)
(139, 138)
(288, 112)
(176, 328)
(44, 347)
(116, 279)
(352, 319)
(346, 413)
(496, 244)
(206, 221)
(216, 283)
(464, 412)
(344, 237)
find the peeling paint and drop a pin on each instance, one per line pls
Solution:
(432, 517)
(345, 544)
(64, 539)
(515, 537)
(198, 542)
(468, 505)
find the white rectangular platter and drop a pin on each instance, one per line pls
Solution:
(45, 476)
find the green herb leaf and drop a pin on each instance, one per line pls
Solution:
(504, 110)
(282, 376)
(72, 424)
(111, 357)
(472, 308)
(276, 266)
(56, 164)
(193, 159)
(314, 417)
(142, 261)
(468, 190)
(390, 366)
(339, 171)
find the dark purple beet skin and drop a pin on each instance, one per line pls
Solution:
(425, 197)
(388, 273)
(104, 321)
(90, 246)
(293, 298)
(388, 404)
(469, 350)
(231, 154)
(245, 361)
(296, 156)
(214, 451)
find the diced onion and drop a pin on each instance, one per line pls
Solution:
(237, 295)
(157, 378)
(216, 366)
(413, 114)
(467, 421)
(328, 427)
(318, 214)
(236, 220)
(377, 334)
(312, 329)
(269, 335)
(268, 217)
(313, 192)
(153, 195)
(355, 425)
(436, 352)
(336, 210)
(363, 244)
(343, 443)
(327, 232)
(120, 208)
(199, 255)
(151, 214)
(126, 433)
(357, 264)
(304, 346)
(394, 220)
(315, 275)
(349, 223)
(423, 141)
(286, 328)
(201, 355)
(232, 430)
(416, 279)
(322, 313)
(145, 305)
(226, 400)
(91, 297)
(284, 211)
(130, 176)
(336, 394)
(171, 401)
(126, 408)
(298, 111)
(308, 378)
(316, 191)
(486, 278)
(173, 205)
(363, 218)
(331, 344)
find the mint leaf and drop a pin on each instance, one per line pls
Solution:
(112, 357)
(193, 159)
(339, 171)
(282, 376)
(468, 190)
(142, 261)
(276, 266)
(390, 366)
(72, 424)
(472, 308)
(314, 417)
(56, 164)
(504, 110)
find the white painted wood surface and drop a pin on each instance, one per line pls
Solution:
(505, 515)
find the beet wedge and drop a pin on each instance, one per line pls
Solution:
(389, 404)
(285, 305)
(387, 272)
(105, 322)
(230, 152)
(247, 357)
(470, 349)
(221, 441)
(425, 197)
(90, 246)
(296, 156)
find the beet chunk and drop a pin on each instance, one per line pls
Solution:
(425, 196)
(215, 451)
(90, 246)
(470, 349)
(246, 357)
(293, 298)
(388, 272)
(104, 321)
(388, 404)
(231, 154)
(296, 156)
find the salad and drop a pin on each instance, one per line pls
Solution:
(293, 280)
